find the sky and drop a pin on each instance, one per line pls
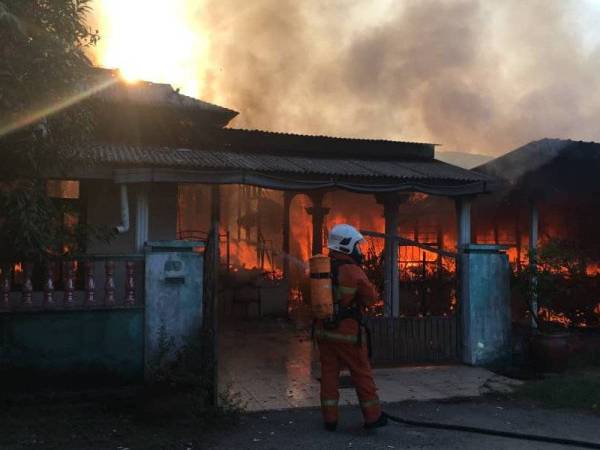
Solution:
(479, 76)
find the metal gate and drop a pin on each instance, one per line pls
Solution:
(426, 332)
(414, 340)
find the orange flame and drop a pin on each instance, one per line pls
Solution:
(551, 316)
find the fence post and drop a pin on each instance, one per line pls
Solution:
(485, 305)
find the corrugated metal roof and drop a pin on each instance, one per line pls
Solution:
(531, 157)
(152, 94)
(121, 155)
(317, 146)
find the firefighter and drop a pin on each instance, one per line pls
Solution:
(342, 339)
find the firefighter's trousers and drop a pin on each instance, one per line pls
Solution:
(334, 357)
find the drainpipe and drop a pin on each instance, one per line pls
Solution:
(123, 227)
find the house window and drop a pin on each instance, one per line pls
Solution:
(67, 194)
(65, 189)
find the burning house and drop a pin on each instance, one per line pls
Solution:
(550, 191)
(278, 192)
(165, 167)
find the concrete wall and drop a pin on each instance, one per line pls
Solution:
(485, 305)
(105, 343)
(104, 208)
(174, 283)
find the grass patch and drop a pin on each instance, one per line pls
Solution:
(574, 390)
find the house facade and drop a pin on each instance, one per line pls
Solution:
(151, 142)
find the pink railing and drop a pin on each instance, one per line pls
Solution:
(91, 281)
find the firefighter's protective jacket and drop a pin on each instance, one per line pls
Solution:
(340, 347)
(352, 288)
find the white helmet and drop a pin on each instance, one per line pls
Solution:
(343, 238)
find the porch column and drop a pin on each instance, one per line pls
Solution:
(391, 274)
(215, 206)
(285, 246)
(318, 213)
(518, 240)
(463, 215)
(463, 239)
(440, 246)
(141, 217)
(534, 225)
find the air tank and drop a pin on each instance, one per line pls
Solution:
(321, 294)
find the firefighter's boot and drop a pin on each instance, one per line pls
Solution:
(381, 422)
(330, 426)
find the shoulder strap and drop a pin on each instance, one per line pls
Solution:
(335, 270)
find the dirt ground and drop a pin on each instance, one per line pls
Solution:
(123, 419)
(121, 424)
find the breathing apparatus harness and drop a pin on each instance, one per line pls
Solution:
(340, 312)
(343, 312)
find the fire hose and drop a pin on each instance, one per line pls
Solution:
(323, 307)
(491, 432)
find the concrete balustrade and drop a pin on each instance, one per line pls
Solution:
(72, 284)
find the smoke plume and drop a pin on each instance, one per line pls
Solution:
(476, 76)
(479, 76)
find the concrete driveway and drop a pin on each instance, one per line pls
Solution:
(270, 366)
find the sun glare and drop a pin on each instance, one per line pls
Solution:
(152, 40)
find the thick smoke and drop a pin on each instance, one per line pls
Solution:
(477, 76)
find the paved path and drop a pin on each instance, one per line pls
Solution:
(271, 366)
(301, 428)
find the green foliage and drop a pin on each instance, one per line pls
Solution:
(33, 226)
(563, 256)
(158, 365)
(184, 382)
(565, 391)
(429, 292)
(563, 284)
(42, 67)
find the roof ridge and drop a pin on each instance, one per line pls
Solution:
(323, 136)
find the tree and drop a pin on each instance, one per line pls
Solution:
(43, 67)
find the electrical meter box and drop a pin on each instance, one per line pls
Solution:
(173, 300)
